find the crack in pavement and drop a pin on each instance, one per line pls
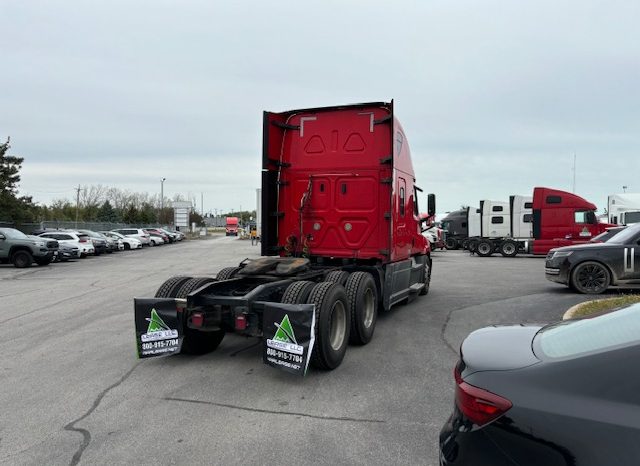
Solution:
(86, 435)
(450, 313)
(268, 411)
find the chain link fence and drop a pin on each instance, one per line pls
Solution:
(29, 228)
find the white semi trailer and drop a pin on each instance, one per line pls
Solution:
(624, 209)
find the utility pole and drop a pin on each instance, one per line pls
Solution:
(574, 172)
(161, 199)
(77, 204)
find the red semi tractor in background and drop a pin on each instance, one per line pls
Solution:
(231, 228)
(551, 219)
(341, 230)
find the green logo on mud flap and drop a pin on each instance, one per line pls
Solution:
(156, 324)
(285, 331)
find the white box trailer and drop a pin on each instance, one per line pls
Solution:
(624, 209)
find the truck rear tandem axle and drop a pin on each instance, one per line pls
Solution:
(346, 300)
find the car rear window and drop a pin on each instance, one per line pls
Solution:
(608, 331)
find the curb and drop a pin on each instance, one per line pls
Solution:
(572, 311)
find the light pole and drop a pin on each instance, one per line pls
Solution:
(161, 198)
(624, 189)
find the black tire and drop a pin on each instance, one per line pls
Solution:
(472, 245)
(337, 276)
(227, 273)
(297, 292)
(192, 285)
(21, 259)
(45, 261)
(428, 268)
(484, 248)
(590, 277)
(126, 246)
(451, 243)
(363, 304)
(170, 288)
(509, 248)
(332, 325)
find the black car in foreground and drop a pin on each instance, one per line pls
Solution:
(593, 267)
(563, 394)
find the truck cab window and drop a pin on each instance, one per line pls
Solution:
(585, 216)
(402, 200)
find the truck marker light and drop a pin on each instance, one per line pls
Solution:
(241, 322)
(197, 319)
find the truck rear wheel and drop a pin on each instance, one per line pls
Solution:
(509, 248)
(227, 273)
(332, 324)
(451, 243)
(337, 276)
(428, 267)
(22, 259)
(297, 292)
(484, 248)
(192, 285)
(170, 288)
(363, 304)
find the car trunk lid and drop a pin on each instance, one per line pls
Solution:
(498, 348)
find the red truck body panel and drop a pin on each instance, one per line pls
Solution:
(561, 218)
(338, 182)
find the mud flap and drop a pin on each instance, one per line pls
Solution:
(159, 329)
(288, 336)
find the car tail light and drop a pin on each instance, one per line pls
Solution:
(478, 405)
(83, 240)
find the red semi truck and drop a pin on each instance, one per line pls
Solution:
(231, 228)
(557, 218)
(341, 238)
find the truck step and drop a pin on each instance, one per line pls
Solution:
(416, 287)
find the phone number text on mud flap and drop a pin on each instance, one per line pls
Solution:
(284, 355)
(160, 344)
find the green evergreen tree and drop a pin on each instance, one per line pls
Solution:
(106, 213)
(12, 208)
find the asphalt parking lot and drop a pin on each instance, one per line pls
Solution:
(73, 392)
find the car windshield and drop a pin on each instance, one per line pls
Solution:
(575, 337)
(13, 233)
(626, 236)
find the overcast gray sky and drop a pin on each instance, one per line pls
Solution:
(495, 96)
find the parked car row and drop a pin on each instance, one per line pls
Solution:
(46, 246)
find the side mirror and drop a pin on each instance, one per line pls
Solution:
(431, 204)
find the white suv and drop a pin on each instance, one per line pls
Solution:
(137, 233)
(81, 241)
